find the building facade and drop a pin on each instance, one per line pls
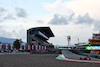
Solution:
(93, 43)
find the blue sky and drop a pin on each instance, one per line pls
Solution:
(77, 18)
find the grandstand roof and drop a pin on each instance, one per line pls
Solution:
(47, 30)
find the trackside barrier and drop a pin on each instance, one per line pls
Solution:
(42, 47)
(32, 47)
(0, 46)
(24, 47)
(12, 47)
(39, 47)
(6, 46)
(28, 47)
(36, 47)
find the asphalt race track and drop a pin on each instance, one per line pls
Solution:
(39, 60)
(71, 55)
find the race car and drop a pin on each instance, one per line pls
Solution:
(85, 58)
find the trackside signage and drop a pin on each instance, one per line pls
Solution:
(92, 47)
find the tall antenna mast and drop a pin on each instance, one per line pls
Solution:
(78, 40)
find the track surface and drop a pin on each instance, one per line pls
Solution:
(71, 55)
(39, 60)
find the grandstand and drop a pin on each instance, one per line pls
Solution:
(39, 36)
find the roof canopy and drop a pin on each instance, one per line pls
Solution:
(46, 30)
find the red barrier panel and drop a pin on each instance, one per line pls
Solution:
(3, 46)
(0, 46)
(38, 47)
(13, 46)
(8, 46)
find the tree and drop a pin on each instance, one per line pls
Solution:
(20, 41)
(17, 43)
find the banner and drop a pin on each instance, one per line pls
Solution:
(11, 47)
(92, 47)
(28, 47)
(44, 47)
(24, 47)
(0, 46)
(3, 46)
(36, 47)
(6, 46)
(32, 47)
(21, 47)
(39, 47)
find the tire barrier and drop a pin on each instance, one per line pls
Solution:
(24, 48)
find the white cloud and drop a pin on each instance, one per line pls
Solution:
(96, 25)
(7, 14)
(2, 10)
(58, 20)
(84, 19)
(58, 8)
(77, 7)
(40, 21)
(21, 12)
(81, 7)
(80, 11)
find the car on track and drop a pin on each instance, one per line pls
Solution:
(85, 58)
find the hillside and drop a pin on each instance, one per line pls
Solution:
(4, 40)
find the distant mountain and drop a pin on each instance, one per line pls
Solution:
(64, 45)
(56, 45)
(4, 40)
